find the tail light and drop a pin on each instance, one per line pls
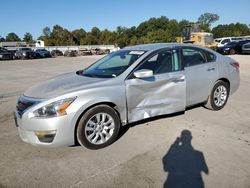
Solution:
(235, 65)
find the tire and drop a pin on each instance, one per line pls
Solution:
(232, 52)
(53, 55)
(218, 97)
(98, 127)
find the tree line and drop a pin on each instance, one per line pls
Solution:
(154, 30)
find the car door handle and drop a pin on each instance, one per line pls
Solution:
(211, 69)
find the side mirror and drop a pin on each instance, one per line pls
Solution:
(143, 73)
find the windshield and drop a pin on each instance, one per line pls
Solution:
(113, 64)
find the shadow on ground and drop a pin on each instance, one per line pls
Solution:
(125, 128)
(184, 164)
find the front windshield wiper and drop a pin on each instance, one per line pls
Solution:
(81, 72)
(89, 75)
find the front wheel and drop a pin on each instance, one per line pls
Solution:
(98, 127)
(218, 97)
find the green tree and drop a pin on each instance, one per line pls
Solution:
(159, 29)
(12, 37)
(28, 38)
(133, 40)
(159, 35)
(183, 23)
(207, 19)
(152, 24)
(46, 32)
(90, 39)
(229, 30)
(96, 34)
(46, 37)
(60, 36)
(79, 36)
(107, 37)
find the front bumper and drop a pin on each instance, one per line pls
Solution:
(59, 130)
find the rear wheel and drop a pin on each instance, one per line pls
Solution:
(98, 127)
(219, 96)
(232, 52)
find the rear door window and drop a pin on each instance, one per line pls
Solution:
(210, 56)
(193, 56)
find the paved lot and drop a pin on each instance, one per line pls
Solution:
(218, 155)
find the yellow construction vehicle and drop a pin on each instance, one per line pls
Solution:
(193, 34)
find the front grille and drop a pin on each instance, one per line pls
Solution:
(23, 104)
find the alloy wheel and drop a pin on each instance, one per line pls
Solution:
(99, 128)
(220, 95)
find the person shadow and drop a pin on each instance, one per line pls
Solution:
(184, 164)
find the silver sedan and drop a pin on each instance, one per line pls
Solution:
(135, 83)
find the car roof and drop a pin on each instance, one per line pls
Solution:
(155, 46)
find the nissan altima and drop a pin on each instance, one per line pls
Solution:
(137, 82)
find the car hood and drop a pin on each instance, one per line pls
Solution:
(60, 85)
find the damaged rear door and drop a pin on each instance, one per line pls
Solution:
(162, 93)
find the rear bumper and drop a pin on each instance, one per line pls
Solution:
(234, 81)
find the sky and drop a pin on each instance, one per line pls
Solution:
(21, 16)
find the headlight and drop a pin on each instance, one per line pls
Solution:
(1, 56)
(24, 54)
(227, 49)
(54, 109)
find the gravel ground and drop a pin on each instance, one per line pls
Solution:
(216, 152)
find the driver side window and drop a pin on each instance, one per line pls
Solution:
(162, 62)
